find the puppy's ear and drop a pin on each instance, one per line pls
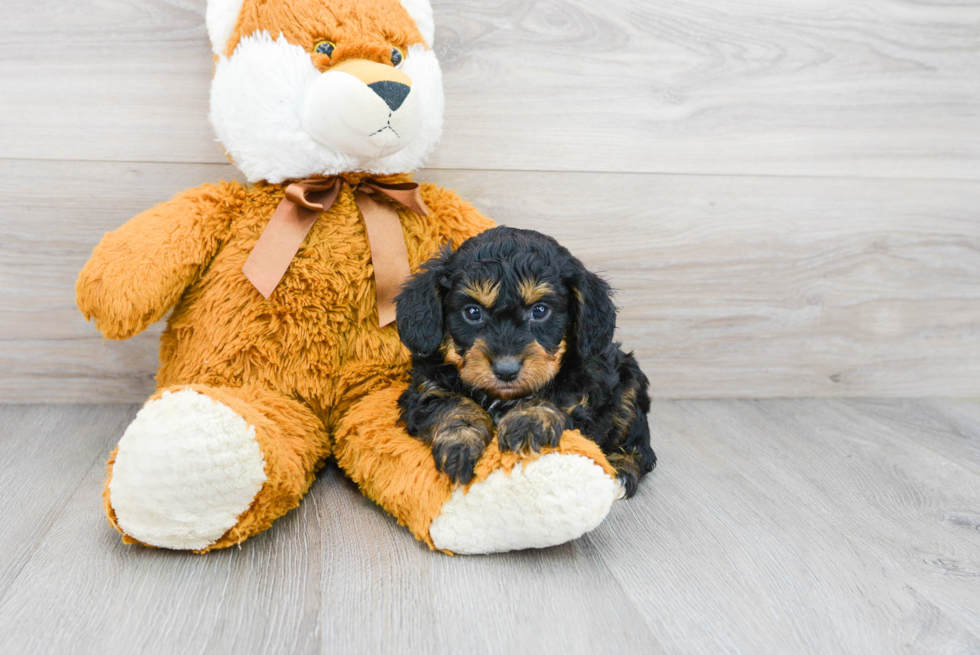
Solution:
(594, 313)
(418, 309)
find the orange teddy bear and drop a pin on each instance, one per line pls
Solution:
(279, 352)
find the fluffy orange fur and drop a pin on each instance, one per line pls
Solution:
(291, 365)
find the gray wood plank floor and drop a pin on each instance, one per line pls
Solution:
(779, 526)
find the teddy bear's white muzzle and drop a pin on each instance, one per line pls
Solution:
(367, 121)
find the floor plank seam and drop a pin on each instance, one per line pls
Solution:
(901, 436)
(518, 171)
(598, 555)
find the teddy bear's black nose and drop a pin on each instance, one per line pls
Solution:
(393, 93)
(506, 368)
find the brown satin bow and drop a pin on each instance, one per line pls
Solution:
(298, 211)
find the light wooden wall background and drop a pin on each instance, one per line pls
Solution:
(787, 194)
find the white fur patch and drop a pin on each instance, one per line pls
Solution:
(187, 468)
(554, 499)
(257, 107)
(221, 16)
(421, 13)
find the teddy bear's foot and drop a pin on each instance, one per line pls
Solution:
(544, 502)
(206, 467)
(185, 469)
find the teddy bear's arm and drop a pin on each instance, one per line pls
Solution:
(137, 273)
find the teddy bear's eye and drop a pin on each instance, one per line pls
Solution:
(397, 57)
(325, 48)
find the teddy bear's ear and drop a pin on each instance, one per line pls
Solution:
(421, 13)
(221, 17)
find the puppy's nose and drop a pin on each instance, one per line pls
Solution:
(506, 368)
(393, 93)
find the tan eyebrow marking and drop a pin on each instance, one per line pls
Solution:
(532, 291)
(484, 292)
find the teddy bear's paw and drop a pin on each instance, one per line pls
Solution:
(187, 467)
(548, 501)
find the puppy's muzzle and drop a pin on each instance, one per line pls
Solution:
(506, 369)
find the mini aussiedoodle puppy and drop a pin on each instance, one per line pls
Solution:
(511, 332)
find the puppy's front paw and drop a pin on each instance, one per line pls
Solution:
(457, 455)
(458, 441)
(531, 426)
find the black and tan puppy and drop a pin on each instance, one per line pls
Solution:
(512, 332)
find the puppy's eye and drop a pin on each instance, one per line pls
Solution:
(325, 48)
(397, 57)
(540, 312)
(473, 314)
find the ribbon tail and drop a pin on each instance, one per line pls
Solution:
(278, 244)
(389, 255)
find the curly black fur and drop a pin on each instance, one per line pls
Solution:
(512, 332)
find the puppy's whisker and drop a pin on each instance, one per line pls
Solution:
(540, 366)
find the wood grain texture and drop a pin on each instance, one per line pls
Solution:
(729, 286)
(806, 515)
(45, 453)
(876, 89)
(947, 426)
(809, 526)
(560, 600)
